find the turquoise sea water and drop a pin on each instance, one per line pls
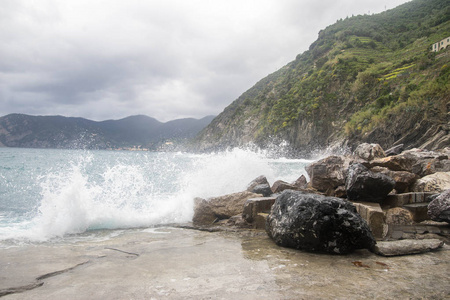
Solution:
(47, 194)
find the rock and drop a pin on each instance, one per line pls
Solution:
(398, 216)
(301, 182)
(374, 216)
(403, 180)
(394, 150)
(263, 189)
(418, 161)
(434, 183)
(439, 208)
(280, 185)
(406, 247)
(340, 192)
(317, 223)
(237, 221)
(328, 173)
(257, 181)
(253, 206)
(365, 185)
(369, 151)
(207, 211)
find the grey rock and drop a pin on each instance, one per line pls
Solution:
(317, 223)
(369, 151)
(328, 173)
(257, 181)
(280, 185)
(406, 247)
(434, 183)
(365, 185)
(394, 150)
(263, 189)
(301, 182)
(439, 208)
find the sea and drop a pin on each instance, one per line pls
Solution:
(52, 194)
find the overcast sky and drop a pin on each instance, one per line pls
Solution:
(168, 59)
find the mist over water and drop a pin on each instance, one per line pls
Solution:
(52, 193)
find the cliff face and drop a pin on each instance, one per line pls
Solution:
(368, 78)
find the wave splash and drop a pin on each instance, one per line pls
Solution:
(142, 189)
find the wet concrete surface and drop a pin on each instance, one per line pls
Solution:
(174, 263)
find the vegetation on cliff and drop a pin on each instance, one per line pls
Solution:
(366, 78)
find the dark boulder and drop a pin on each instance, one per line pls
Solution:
(364, 185)
(263, 189)
(439, 208)
(317, 223)
(257, 181)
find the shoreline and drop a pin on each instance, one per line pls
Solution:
(182, 263)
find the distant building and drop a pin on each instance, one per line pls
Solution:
(442, 44)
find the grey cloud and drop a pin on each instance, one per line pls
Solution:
(167, 59)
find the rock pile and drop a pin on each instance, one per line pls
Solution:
(347, 203)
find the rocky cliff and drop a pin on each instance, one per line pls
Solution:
(370, 78)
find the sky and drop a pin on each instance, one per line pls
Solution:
(168, 59)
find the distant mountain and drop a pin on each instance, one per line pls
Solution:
(368, 78)
(19, 130)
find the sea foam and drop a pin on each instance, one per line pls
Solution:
(108, 190)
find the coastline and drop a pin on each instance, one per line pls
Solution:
(180, 263)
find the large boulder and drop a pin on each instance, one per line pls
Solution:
(260, 185)
(328, 173)
(207, 211)
(439, 208)
(317, 223)
(434, 183)
(403, 180)
(280, 185)
(417, 161)
(365, 185)
(369, 151)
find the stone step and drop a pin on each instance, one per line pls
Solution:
(400, 200)
(254, 206)
(374, 216)
(419, 211)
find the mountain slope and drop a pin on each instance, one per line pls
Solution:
(19, 130)
(366, 78)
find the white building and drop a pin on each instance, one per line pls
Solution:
(442, 44)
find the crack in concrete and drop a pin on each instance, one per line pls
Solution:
(115, 249)
(38, 283)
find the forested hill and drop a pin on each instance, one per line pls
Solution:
(368, 78)
(19, 130)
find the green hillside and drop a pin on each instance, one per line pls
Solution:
(366, 78)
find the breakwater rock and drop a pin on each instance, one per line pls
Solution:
(390, 194)
(317, 223)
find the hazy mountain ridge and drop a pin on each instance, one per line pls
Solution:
(368, 78)
(20, 130)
